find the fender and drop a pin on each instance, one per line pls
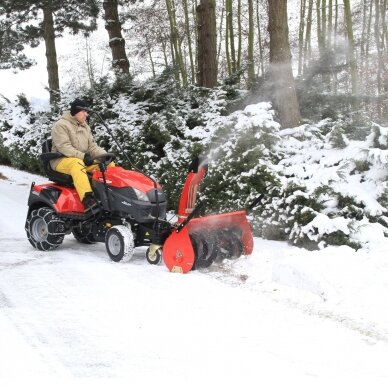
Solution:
(61, 199)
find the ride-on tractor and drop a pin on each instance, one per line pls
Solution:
(131, 212)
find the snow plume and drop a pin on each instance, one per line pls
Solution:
(239, 151)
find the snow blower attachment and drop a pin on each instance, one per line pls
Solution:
(197, 242)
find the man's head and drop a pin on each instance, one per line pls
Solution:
(77, 111)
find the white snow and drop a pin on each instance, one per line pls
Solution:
(282, 317)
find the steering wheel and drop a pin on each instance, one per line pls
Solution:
(106, 158)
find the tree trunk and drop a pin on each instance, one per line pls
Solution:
(207, 44)
(89, 63)
(351, 51)
(364, 39)
(51, 55)
(280, 70)
(239, 29)
(175, 40)
(164, 48)
(385, 28)
(379, 47)
(189, 44)
(301, 35)
(227, 51)
(335, 83)
(384, 54)
(326, 75)
(383, 9)
(261, 65)
(384, 5)
(116, 41)
(151, 60)
(368, 33)
(330, 25)
(220, 36)
(319, 28)
(307, 41)
(230, 28)
(251, 63)
(324, 23)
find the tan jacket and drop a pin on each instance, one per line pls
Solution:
(73, 139)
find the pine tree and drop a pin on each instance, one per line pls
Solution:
(11, 47)
(12, 40)
(46, 19)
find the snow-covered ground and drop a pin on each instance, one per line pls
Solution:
(282, 317)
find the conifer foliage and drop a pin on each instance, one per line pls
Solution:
(46, 19)
(12, 40)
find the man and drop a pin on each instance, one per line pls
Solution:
(72, 137)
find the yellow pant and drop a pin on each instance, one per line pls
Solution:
(77, 169)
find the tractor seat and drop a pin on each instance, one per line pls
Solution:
(55, 176)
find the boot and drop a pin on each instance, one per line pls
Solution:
(89, 201)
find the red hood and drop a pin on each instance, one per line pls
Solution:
(119, 177)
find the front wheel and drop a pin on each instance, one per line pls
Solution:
(154, 255)
(119, 243)
(45, 231)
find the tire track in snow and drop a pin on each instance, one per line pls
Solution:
(226, 273)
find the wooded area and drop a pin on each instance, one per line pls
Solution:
(338, 49)
(286, 98)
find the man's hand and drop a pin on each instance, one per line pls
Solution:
(88, 160)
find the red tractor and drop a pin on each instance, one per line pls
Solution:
(131, 212)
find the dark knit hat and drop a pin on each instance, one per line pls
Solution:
(77, 105)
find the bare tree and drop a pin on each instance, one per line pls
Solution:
(188, 36)
(176, 49)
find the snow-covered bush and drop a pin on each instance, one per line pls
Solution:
(22, 131)
(329, 194)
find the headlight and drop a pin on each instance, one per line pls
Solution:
(141, 195)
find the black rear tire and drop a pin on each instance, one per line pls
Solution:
(83, 235)
(45, 230)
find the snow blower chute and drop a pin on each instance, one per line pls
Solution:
(197, 242)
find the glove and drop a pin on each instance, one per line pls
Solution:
(88, 160)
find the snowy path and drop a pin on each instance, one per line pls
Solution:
(72, 313)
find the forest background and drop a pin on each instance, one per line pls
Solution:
(187, 77)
